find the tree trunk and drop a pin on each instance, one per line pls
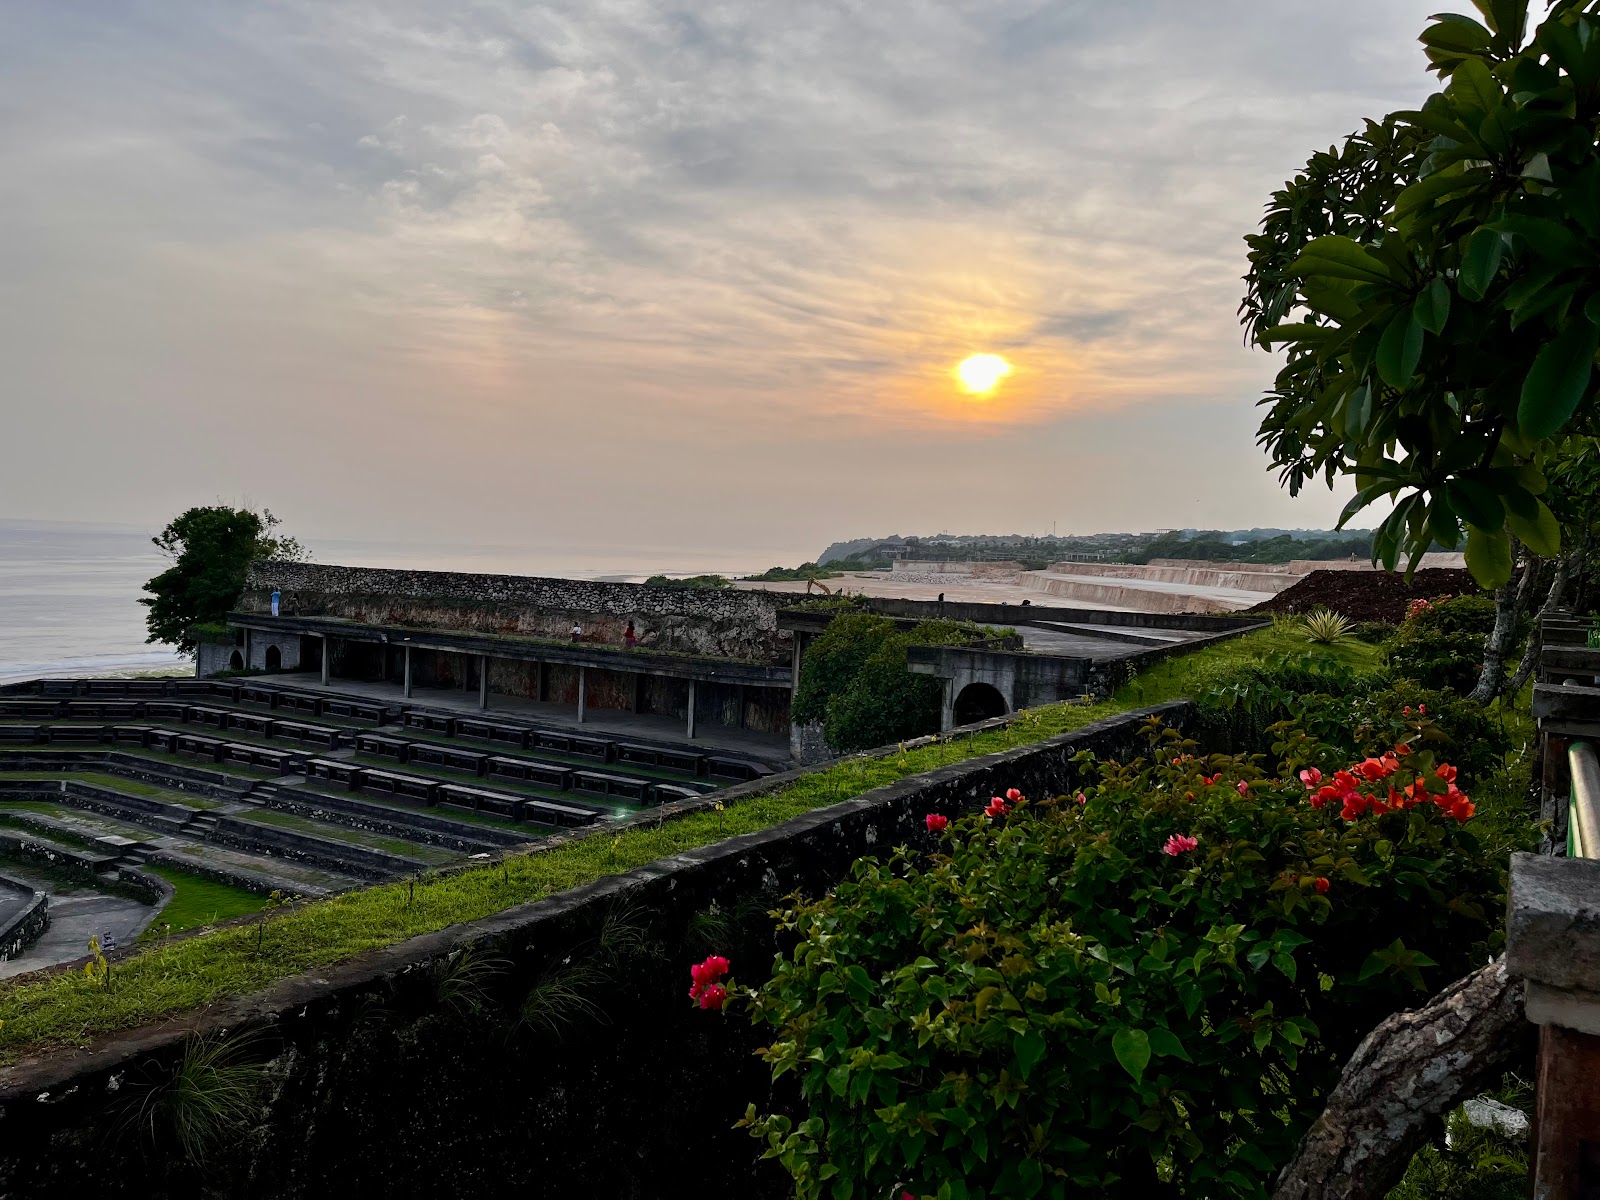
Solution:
(1530, 656)
(1510, 602)
(1400, 1083)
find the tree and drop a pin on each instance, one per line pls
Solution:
(211, 551)
(1436, 285)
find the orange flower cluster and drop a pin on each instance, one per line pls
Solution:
(1353, 788)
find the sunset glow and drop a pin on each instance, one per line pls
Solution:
(982, 373)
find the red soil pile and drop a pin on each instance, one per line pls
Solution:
(1368, 595)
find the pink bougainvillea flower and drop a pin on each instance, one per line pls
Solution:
(714, 997)
(1243, 788)
(1179, 843)
(1081, 798)
(996, 807)
(936, 822)
(1013, 795)
(1311, 777)
(1322, 885)
(1423, 709)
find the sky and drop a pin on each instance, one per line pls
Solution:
(621, 273)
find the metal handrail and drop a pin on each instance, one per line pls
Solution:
(1583, 821)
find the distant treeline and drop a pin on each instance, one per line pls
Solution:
(811, 570)
(1211, 546)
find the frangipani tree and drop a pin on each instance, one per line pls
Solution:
(1435, 283)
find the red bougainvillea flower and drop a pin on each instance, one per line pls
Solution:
(1407, 710)
(705, 975)
(1208, 780)
(1081, 798)
(714, 997)
(1322, 885)
(1311, 777)
(1013, 795)
(996, 807)
(1446, 772)
(1179, 843)
(1423, 709)
(1243, 788)
(936, 822)
(1402, 749)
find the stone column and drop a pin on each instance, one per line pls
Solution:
(408, 670)
(582, 688)
(326, 654)
(483, 681)
(691, 709)
(1553, 942)
(247, 649)
(947, 706)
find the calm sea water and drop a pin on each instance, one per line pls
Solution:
(69, 593)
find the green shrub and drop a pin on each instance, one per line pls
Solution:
(1440, 643)
(855, 680)
(1374, 633)
(1238, 708)
(1068, 1000)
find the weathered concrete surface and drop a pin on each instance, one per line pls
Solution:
(1553, 921)
(726, 623)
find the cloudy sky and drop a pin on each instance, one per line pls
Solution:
(627, 273)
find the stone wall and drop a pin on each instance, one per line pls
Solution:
(382, 1083)
(723, 623)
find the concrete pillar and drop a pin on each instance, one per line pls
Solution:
(483, 681)
(582, 684)
(947, 706)
(247, 648)
(638, 692)
(408, 672)
(691, 709)
(325, 656)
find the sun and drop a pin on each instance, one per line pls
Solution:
(982, 373)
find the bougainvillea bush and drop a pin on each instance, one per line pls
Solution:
(1143, 989)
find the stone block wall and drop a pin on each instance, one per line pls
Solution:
(723, 623)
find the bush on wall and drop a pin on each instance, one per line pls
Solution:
(1145, 989)
(855, 680)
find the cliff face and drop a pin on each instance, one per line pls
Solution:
(722, 623)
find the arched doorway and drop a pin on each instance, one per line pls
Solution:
(274, 659)
(979, 702)
(236, 661)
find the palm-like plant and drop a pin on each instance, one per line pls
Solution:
(1325, 627)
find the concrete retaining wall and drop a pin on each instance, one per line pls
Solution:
(23, 929)
(725, 623)
(378, 1089)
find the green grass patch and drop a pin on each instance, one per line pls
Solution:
(128, 787)
(167, 979)
(198, 901)
(434, 855)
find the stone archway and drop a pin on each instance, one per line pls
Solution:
(979, 702)
(235, 661)
(274, 659)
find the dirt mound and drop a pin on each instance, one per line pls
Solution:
(1367, 595)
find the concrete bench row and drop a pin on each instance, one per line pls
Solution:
(174, 710)
(555, 776)
(565, 741)
(169, 741)
(430, 792)
(237, 691)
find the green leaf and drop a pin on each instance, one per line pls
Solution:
(1558, 380)
(1400, 348)
(1165, 1043)
(1029, 1049)
(1472, 83)
(1536, 525)
(1358, 411)
(1479, 262)
(1341, 257)
(1132, 1048)
(1489, 556)
(1433, 305)
(1476, 503)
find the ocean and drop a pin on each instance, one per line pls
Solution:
(69, 592)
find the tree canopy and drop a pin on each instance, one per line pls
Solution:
(1435, 282)
(211, 551)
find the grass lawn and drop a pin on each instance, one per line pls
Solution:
(198, 901)
(166, 979)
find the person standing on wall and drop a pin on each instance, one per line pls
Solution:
(276, 597)
(577, 632)
(629, 638)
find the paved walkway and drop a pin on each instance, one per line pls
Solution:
(77, 913)
(765, 747)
